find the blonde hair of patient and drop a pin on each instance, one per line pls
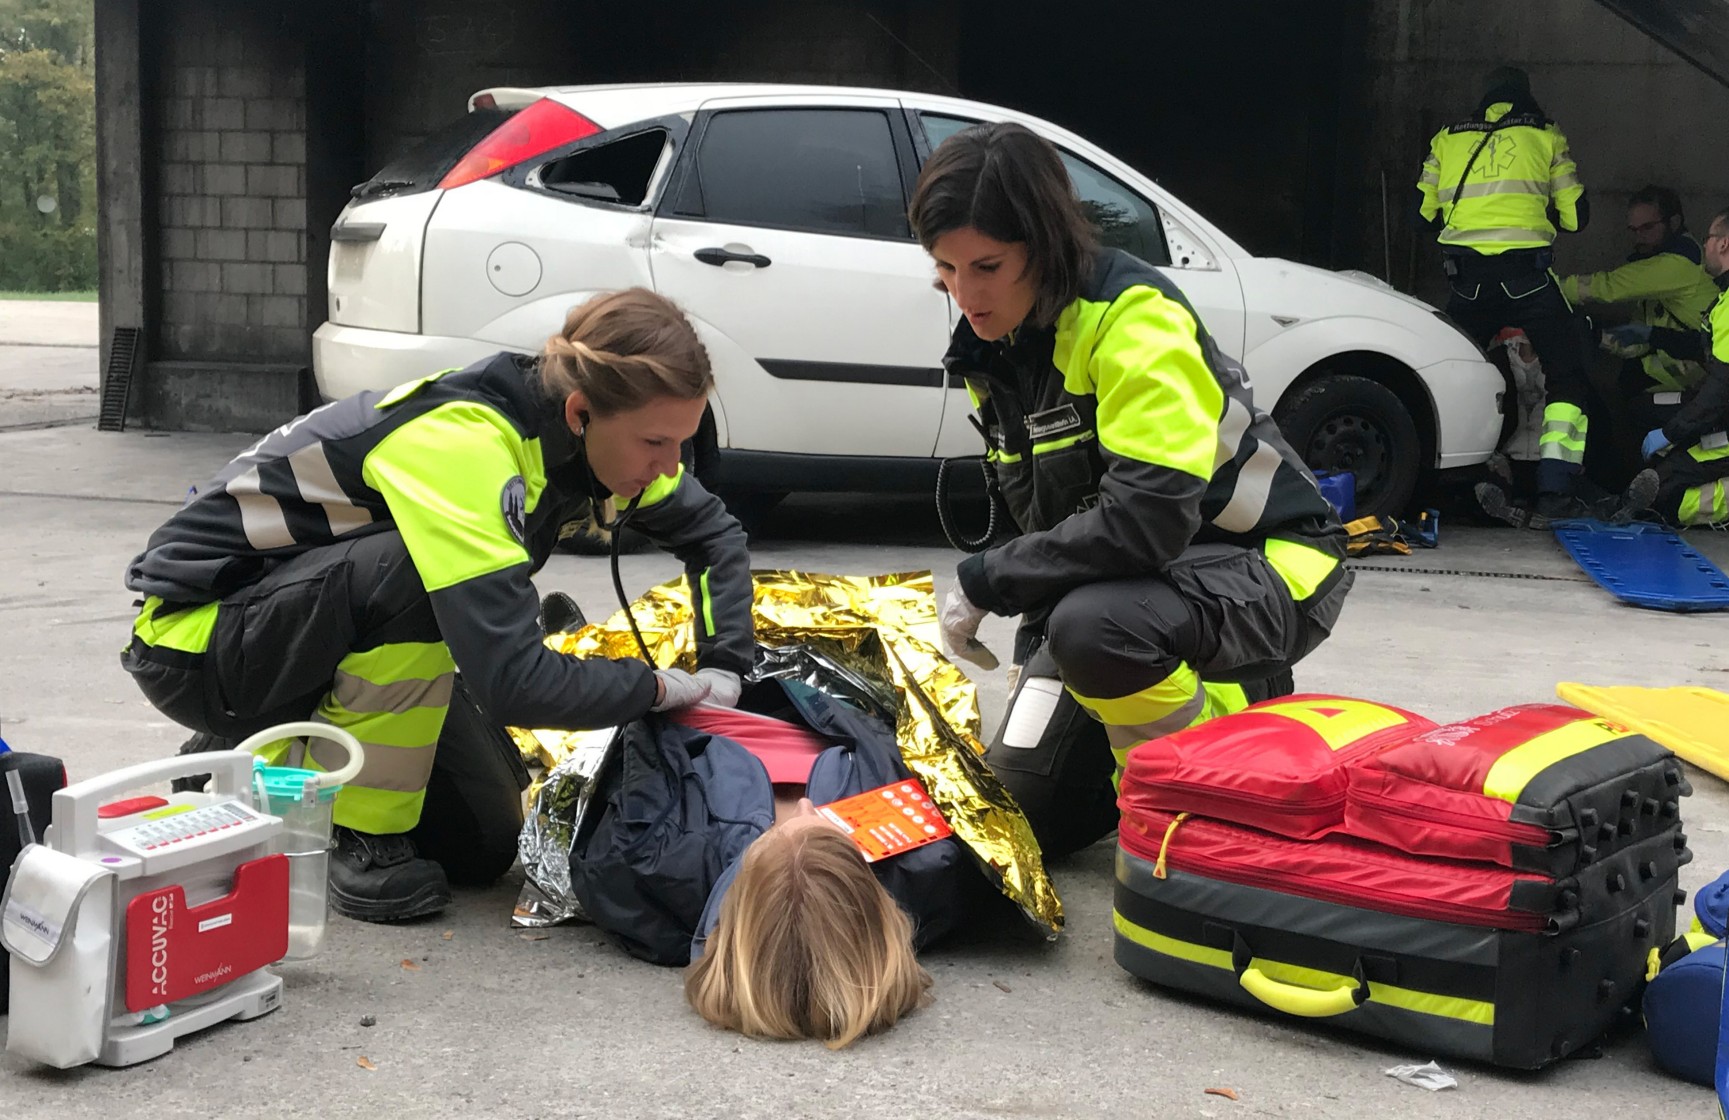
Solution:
(807, 945)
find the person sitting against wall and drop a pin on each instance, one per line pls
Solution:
(1666, 287)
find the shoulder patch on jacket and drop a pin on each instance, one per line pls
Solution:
(513, 502)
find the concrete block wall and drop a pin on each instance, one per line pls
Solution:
(231, 141)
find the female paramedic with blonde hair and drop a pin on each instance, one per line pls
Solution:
(1170, 540)
(349, 564)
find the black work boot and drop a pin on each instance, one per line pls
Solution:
(1498, 505)
(559, 614)
(381, 879)
(1638, 496)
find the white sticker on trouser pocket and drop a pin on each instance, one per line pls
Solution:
(1032, 712)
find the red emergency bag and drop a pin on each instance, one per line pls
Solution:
(1279, 765)
(1538, 787)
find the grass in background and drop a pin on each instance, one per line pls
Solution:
(79, 297)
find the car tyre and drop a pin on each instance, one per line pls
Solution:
(1343, 422)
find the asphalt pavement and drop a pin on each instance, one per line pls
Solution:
(475, 1019)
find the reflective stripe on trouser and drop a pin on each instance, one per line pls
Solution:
(1180, 700)
(1564, 428)
(1693, 488)
(393, 699)
(1704, 505)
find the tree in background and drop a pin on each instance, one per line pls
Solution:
(47, 145)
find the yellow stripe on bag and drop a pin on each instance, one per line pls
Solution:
(1171, 947)
(1513, 771)
(1339, 723)
(1465, 1010)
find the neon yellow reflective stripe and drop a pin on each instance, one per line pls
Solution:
(1507, 237)
(996, 456)
(378, 811)
(1051, 445)
(1513, 771)
(187, 631)
(707, 604)
(1704, 505)
(1303, 567)
(1706, 455)
(661, 488)
(1481, 1012)
(416, 727)
(1140, 356)
(1506, 186)
(1564, 432)
(1339, 723)
(409, 388)
(444, 476)
(400, 661)
(1148, 705)
(1171, 947)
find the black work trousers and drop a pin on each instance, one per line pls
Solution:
(1489, 294)
(1219, 612)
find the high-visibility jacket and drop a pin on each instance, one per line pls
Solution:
(1123, 434)
(478, 471)
(1522, 169)
(1704, 412)
(1669, 288)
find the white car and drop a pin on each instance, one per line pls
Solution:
(776, 217)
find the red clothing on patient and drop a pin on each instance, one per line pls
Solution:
(785, 749)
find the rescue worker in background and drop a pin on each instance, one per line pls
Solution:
(350, 564)
(1690, 451)
(1494, 187)
(1170, 540)
(1665, 281)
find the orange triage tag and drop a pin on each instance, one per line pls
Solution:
(888, 821)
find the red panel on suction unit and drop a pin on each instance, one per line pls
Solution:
(174, 950)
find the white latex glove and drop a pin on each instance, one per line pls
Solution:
(959, 621)
(678, 689)
(1014, 677)
(724, 687)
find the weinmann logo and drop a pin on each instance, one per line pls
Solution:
(161, 921)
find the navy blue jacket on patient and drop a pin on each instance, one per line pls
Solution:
(680, 806)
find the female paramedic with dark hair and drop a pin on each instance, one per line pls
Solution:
(1175, 557)
(347, 565)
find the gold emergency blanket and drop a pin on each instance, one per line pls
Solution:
(878, 634)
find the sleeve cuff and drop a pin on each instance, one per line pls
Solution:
(977, 585)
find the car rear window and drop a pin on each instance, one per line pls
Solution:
(617, 172)
(426, 162)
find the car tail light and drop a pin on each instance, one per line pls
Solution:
(541, 127)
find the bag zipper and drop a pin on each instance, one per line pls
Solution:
(1134, 838)
(1208, 793)
(1529, 835)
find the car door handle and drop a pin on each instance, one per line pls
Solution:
(718, 257)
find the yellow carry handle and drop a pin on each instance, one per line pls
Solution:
(1294, 999)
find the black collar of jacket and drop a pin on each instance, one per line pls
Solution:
(969, 355)
(516, 379)
(1681, 243)
(1722, 281)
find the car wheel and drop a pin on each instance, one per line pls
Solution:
(1342, 422)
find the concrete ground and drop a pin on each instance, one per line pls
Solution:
(476, 1019)
(49, 363)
